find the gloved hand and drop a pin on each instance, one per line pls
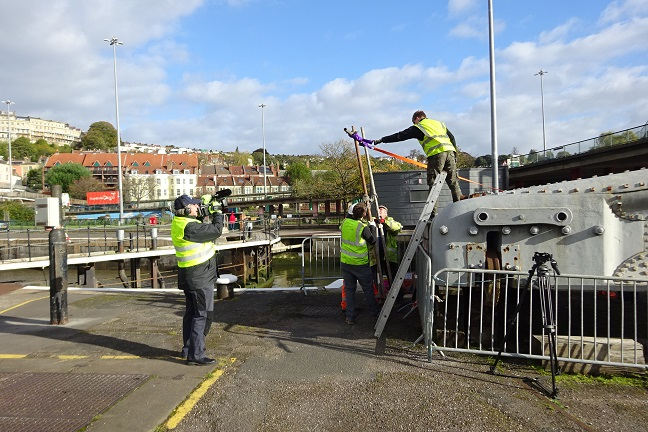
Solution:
(215, 207)
(378, 141)
(372, 224)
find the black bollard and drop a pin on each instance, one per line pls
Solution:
(58, 277)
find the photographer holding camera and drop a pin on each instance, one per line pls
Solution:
(197, 269)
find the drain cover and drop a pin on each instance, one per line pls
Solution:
(59, 402)
(321, 311)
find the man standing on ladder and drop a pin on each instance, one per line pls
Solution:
(439, 146)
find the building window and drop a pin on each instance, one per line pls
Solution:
(177, 181)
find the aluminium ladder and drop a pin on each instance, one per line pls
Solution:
(415, 240)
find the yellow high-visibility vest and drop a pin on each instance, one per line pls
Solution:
(188, 253)
(436, 137)
(353, 248)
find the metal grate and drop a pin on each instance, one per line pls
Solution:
(59, 401)
(321, 311)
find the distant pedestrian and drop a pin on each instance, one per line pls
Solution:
(232, 221)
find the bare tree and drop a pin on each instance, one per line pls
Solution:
(138, 187)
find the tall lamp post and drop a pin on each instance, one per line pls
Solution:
(114, 42)
(544, 138)
(493, 95)
(265, 194)
(8, 102)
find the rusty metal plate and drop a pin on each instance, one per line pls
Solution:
(59, 402)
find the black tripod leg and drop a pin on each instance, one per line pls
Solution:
(509, 330)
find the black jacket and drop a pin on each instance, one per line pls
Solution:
(204, 274)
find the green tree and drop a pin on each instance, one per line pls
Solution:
(100, 136)
(609, 139)
(484, 161)
(464, 160)
(79, 187)
(42, 148)
(34, 179)
(298, 171)
(240, 158)
(66, 174)
(17, 211)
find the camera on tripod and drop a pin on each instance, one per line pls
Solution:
(542, 258)
(218, 197)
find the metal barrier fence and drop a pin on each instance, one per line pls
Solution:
(598, 320)
(320, 260)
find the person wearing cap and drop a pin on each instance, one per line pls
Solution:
(197, 272)
(439, 145)
(391, 227)
(354, 260)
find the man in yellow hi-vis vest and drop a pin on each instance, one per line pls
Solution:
(197, 272)
(439, 146)
(354, 261)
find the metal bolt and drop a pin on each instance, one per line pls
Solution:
(534, 230)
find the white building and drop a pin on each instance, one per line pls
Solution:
(34, 128)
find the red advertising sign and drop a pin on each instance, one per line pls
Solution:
(103, 197)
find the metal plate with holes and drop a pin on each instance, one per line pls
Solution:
(321, 311)
(59, 401)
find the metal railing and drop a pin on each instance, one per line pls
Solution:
(598, 320)
(604, 140)
(320, 260)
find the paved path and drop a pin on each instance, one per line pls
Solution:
(287, 362)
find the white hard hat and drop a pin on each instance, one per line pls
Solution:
(351, 209)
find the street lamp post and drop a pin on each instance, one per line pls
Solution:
(114, 42)
(265, 192)
(8, 102)
(544, 139)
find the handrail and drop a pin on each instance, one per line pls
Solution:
(625, 136)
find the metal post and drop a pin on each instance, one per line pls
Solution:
(493, 99)
(114, 42)
(265, 194)
(544, 139)
(8, 102)
(58, 277)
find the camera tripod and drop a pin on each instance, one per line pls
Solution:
(542, 268)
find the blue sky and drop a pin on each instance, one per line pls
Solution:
(192, 73)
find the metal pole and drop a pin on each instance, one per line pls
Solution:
(493, 97)
(265, 195)
(114, 42)
(58, 277)
(8, 102)
(544, 139)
